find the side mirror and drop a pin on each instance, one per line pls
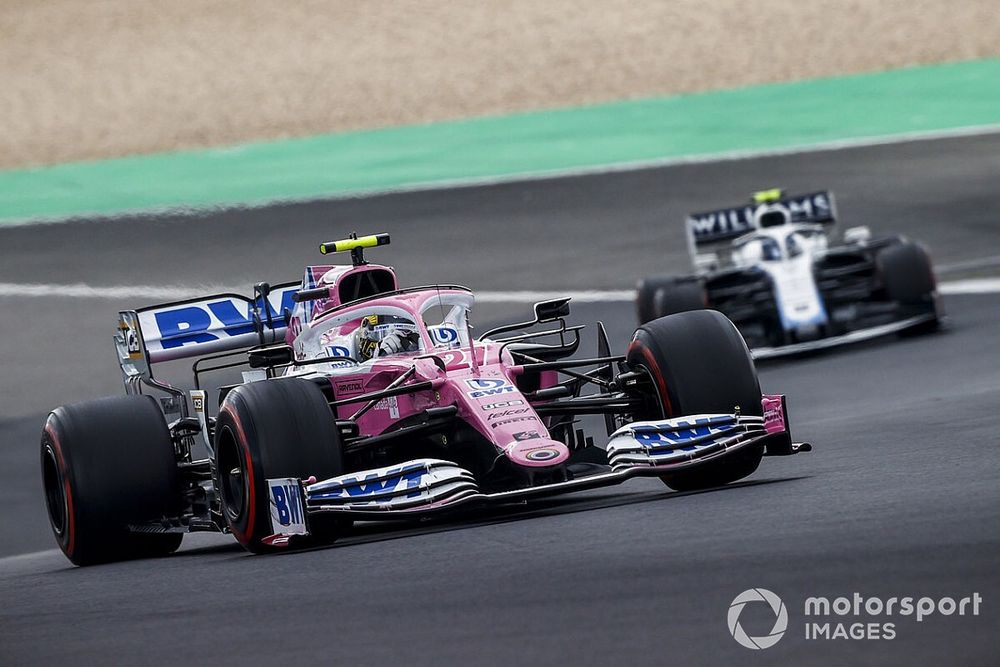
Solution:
(265, 357)
(552, 310)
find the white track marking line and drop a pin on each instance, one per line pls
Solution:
(532, 296)
(83, 291)
(969, 265)
(188, 211)
(970, 286)
(151, 294)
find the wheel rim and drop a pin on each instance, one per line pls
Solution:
(232, 476)
(660, 405)
(55, 495)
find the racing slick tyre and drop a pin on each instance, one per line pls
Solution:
(908, 279)
(678, 296)
(645, 293)
(108, 464)
(699, 363)
(272, 429)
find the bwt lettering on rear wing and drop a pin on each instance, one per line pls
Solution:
(199, 326)
(729, 223)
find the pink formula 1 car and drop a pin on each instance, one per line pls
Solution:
(361, 400)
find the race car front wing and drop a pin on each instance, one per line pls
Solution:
(425, 486)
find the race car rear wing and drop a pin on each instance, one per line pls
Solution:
(224, 324)
(200, 326)
(707, 232)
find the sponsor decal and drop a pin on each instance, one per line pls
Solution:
(730, 222)
(483, 387)
(350, 387)
(406, 477)
(337, 351)
(131, 338)
(442, 335)
(502, 404)
(526, 435)
(542, 454)
(390, 403)
(774, 414)
(698, 428)
(277, 540)
(212, 319)
(287, 513)
(507, 413)
(721, 224)
(513, 420)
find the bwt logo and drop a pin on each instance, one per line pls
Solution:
(371, 485)
(780, 618)
(443, 335)
(288, 504)
(211, 320)
(686, 431)
(488, 387)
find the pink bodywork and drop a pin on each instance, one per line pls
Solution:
(485, 391)
(775, 418)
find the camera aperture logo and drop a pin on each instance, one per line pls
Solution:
(780, 618)
(857, 617)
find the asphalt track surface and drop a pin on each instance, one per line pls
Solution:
(899, 498)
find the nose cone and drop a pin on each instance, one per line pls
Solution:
(537, 452)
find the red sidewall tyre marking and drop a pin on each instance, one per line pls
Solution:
(654, 370)
(70, 545)
(245, 535)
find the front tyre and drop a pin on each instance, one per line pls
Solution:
(270, 429)
(698, 362)
(107, 465)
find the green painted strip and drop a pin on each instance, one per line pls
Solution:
(922, 99)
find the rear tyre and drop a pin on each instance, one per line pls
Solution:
(272, 429)
(699, 363)
(106, 465)
(645, 293)
(908, 279)
(679, 296)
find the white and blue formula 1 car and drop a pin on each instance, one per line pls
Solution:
(770, 267)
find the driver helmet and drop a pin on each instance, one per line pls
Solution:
(382, 335)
